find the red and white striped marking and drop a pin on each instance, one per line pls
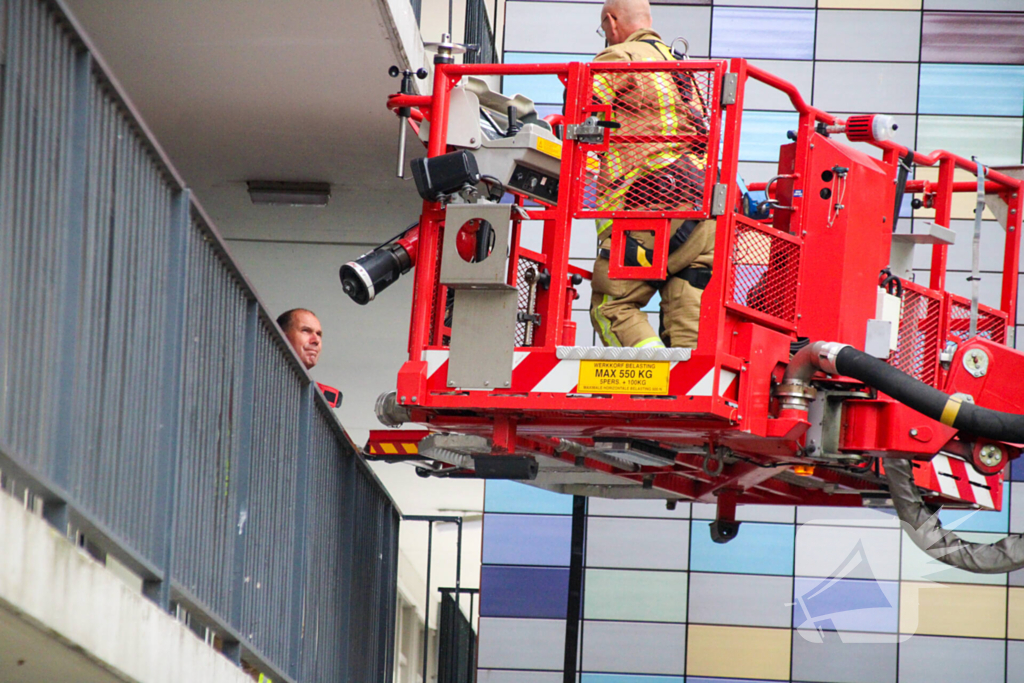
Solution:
(954, 478)
(544, 373)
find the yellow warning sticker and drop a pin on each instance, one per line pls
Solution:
(649, 378)
(552, 149)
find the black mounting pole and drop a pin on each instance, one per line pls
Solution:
(573, 609)
(430, 519)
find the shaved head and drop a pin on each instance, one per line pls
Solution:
(622, 18)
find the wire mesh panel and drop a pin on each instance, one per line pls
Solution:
(764, 271)
(527, 274)
(919, 342)
(211, 410)
(270, 552)
(991, 321)
(659, 158)
(35, 146)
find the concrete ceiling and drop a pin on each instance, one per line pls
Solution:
(269, 90)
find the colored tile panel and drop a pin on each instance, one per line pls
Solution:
(928, 659)
(846, 605)
(626, 595)
(527, 539)
(504, 644)
(1013, 497)
(764, 33)
(758, 549)
(916, 565)
(851, 553)
(1015, 614)
(869, 4)
(975, 5)
(511, 496)
(977, 520)
(740, 599)
(512, 676)
(621, 542)
(972, 37)
(962, 207)
(758, 95)
(530, 27)
(860, 35)
(953, 610)
(541, 89)
(831, 657)
(626, 678)
(634, 648)
(995, 141)
(763, 133)
(534, 592)
(692, 23)
(972, 89)
(783, 514)
(738, 652)
(1015, 656)
(866, 87)
(609, 507)
(859, 517)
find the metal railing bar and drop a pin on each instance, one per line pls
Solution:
(117, 91)
(170, 398)
(241, 458)
(299, 531)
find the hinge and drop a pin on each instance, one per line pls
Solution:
(718, 199)
(729, 82)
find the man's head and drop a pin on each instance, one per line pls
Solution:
(302, 328)
(622, 18)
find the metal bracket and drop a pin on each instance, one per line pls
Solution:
(590, 132)
(729, 84)
(718, 199)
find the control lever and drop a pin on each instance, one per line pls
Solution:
(404, 112)
(513, 122)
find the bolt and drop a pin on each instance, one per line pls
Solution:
(487, 383)
(413, 399)
(990, 455)
(451, 383)
(913, 432)
(403, 399)
(507, 383)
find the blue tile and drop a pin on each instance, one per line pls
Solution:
(626, 678)
(533, 592)
(1017, 469)
(540, 89)
(511, 496)
(763, 133)
(981, 89)
(764, 33)
(979, 520)
(846, 605)
(527, 539)
(758, 549)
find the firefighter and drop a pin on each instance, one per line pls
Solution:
(648, 176)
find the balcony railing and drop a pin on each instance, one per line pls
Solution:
(149, 401)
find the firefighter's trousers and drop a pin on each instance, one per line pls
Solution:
(615, 304)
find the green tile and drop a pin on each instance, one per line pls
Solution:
(995, 141)
(635, 595)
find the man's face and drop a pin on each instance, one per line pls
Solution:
(304, 334)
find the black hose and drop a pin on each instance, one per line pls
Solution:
(929, 401)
